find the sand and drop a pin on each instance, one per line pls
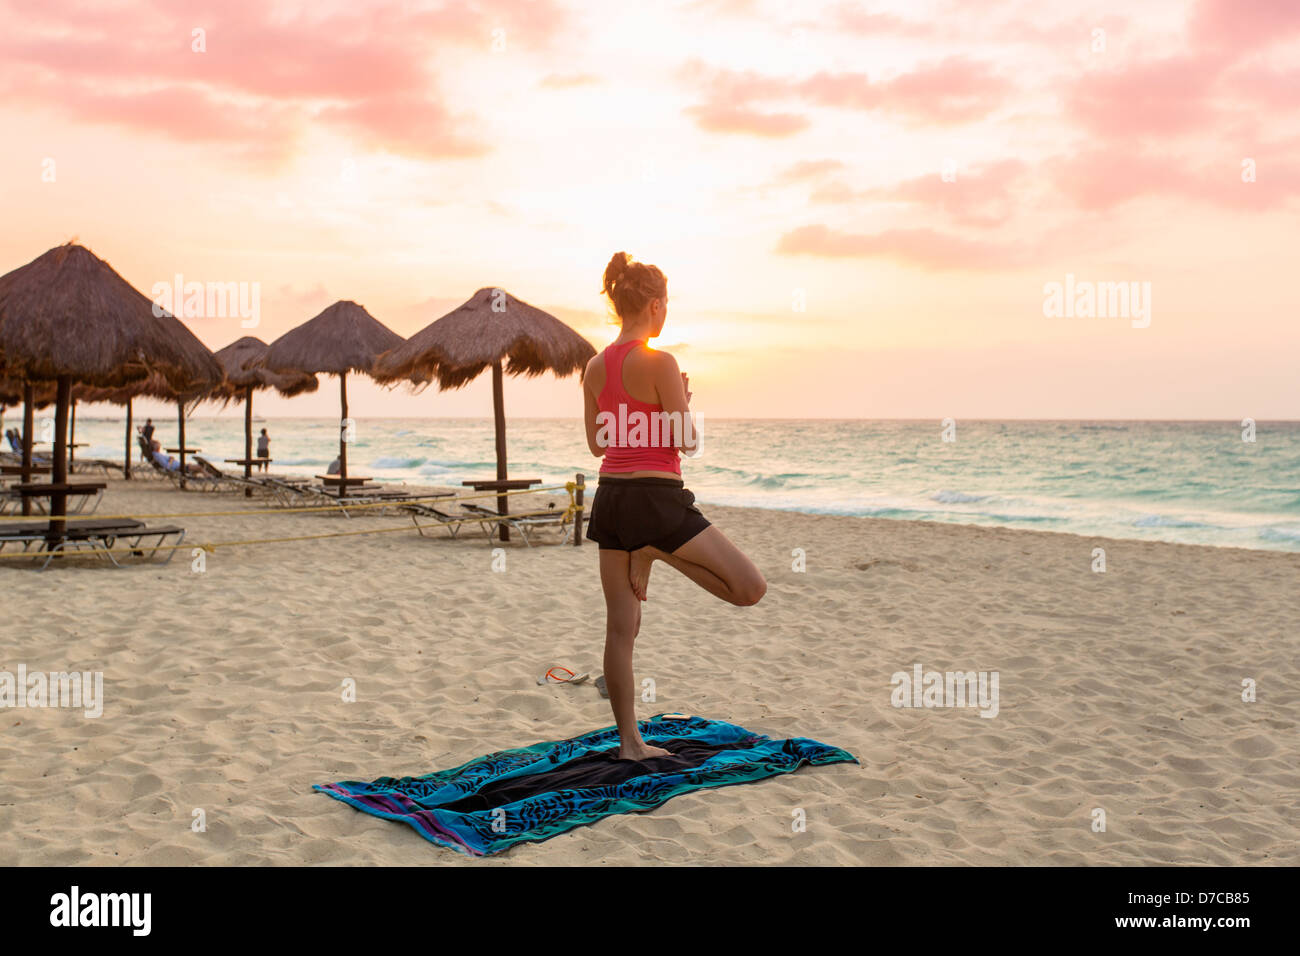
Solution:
(1119, 690)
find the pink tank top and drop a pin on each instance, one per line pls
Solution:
(636, 433)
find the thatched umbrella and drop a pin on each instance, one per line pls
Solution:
(244, 376)
(490, 328)
(68, 316)
(344, 338)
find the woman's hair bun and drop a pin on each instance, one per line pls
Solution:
(617, 268)
(631, 285)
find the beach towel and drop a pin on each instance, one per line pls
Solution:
(534, 793)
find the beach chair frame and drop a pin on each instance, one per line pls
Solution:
(523, 523)
(99, 541)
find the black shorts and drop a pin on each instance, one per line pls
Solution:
(630, 513)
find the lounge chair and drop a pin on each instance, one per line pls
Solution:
(370, 495)
(155, 469)
(159, 471)
(291, 494)
(489, 520)
(79, 503)
(201, 482)
(559, 518)
(96, 465)
(11, 502)
(16, 458)
(453, 524)
(228, 482)
(96, 535)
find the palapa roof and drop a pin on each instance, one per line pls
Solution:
(458, 347)
(67, 312)
(11, 392)
(155, 386)
(343, 338)
(239, 360)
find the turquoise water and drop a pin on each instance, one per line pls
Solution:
(1194, 482)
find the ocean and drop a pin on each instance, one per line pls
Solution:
(1191, 482)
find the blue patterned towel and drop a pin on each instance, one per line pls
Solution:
(533, 793)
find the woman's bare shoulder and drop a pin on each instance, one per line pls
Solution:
(594, 376)
(663, 362)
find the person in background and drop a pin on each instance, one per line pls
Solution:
(147, 431)
(335, 466)
(263, 449)
(15, 440)
(170, 463)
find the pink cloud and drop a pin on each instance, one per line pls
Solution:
(353, 66)
(809, 169)
(411, 125)
(726, 118)
(1102, 179)
(1216, 79)
(984, 196)
(851, 18)
(1262, 89)
(564, 81)
(1160, 98)
(1243, 25)
(924, 248)
(954, 90)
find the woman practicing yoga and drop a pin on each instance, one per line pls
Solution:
(638, 417)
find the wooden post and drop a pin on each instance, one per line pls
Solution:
(499, 414)
(248, 439)
(72, 434)
(29, 400)
(577, 517)
(126, 464)
(343, 432)
(180, 408)
(59, 501)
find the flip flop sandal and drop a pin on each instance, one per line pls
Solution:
(554, 676)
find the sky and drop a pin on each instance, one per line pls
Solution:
(860, 208)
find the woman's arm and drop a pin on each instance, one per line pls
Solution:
(670, 386)
(589, 416)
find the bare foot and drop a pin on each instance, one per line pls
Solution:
(642, 752)
(638, 570)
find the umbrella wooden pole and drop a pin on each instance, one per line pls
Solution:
(126, 464)
(72, 434)
(180, 417)
(343, 431)
(29, 400)
(499, 413)
(580, 485)
(248, 439)
(59, 500)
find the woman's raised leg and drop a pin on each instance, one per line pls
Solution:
(711, 561)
